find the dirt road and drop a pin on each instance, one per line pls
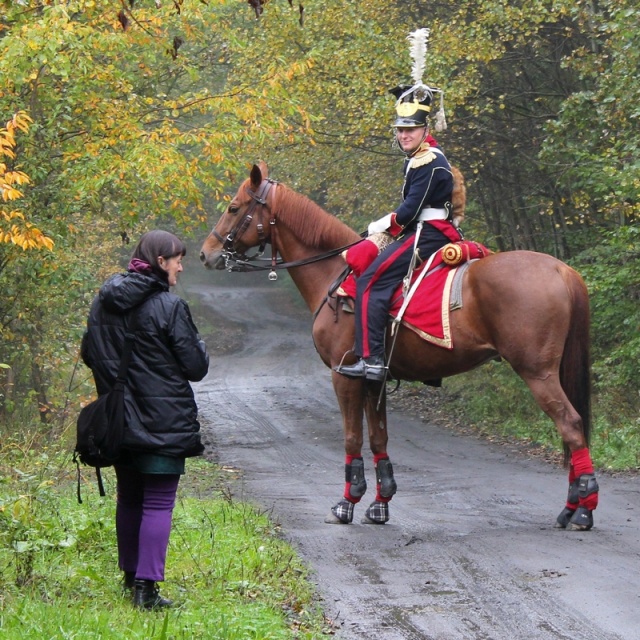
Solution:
(470, 551)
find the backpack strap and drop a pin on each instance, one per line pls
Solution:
(129, 339)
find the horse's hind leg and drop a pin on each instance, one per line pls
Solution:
(375, 409)
(582, 498)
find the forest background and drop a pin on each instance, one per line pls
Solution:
(126, 116)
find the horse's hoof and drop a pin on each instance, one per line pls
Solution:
(564, 518)
(366, 520)
(377, 513)
(341, 513)
(582, 520)
(333, 519)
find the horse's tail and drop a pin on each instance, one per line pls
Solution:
(575, 366)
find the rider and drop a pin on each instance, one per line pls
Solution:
(421, 223)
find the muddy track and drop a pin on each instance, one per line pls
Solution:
(470, 551)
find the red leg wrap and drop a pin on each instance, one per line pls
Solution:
(581, 462)
(590, 502)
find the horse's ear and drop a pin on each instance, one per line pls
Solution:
(259, 172)
(256, 177)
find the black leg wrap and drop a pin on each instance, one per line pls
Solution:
(564, 518)
(582, 519)
(343, 511)
(572, 497)
(354, 477)
(587, 484)
(387, 486)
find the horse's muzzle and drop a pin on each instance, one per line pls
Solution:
(214, 260)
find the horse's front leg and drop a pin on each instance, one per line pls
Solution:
(351, 401)
(376, 411)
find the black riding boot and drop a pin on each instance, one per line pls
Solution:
(147, 596)
(371, 368)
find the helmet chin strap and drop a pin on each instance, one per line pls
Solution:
(424, 137)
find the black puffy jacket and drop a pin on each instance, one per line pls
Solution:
(161, 411)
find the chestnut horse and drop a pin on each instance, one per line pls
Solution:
(528, 308)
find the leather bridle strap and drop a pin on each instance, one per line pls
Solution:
(236, 233)
(261, 199)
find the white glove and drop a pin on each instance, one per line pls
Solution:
(378, 226)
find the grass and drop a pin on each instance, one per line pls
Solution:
(230, 573)
(497, 402)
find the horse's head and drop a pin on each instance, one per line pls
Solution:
(243, 225)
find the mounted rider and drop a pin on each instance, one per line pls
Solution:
(420, 225)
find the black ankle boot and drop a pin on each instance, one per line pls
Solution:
(147, 596)
(128, 580)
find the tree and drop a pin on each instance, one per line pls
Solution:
(14, 227)
(593, 144)
(133, 127)
(146, 114)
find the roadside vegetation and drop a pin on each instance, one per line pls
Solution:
(120, 117)
(229, 572)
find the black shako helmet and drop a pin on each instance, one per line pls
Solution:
(414, 101)
(413, 104)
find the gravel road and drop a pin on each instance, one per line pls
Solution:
(470, 551)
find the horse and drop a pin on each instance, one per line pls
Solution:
(527, 308)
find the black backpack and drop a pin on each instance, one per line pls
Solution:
(101, 424)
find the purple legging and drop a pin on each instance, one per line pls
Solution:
(143, 521)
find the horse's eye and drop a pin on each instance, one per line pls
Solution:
(233, 210)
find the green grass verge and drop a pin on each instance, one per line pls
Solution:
(228, 570)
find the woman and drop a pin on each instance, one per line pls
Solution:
(162, 424)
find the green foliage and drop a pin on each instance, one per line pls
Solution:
(146, 114)
(594, 140)
(495, 403)
(611, 269)
(498, 402)
(231, 575)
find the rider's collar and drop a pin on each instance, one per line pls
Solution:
(423, 146)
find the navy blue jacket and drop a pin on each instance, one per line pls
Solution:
(428, 183)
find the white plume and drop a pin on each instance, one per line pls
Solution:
(418, 51)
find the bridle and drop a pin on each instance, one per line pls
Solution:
(235, 261)
(228, 244)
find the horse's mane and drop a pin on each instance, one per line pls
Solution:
(309, 222)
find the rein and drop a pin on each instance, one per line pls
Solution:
(246, 265)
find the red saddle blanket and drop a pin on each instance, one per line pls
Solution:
(428, 310)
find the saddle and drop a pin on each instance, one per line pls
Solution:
(433, 294)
